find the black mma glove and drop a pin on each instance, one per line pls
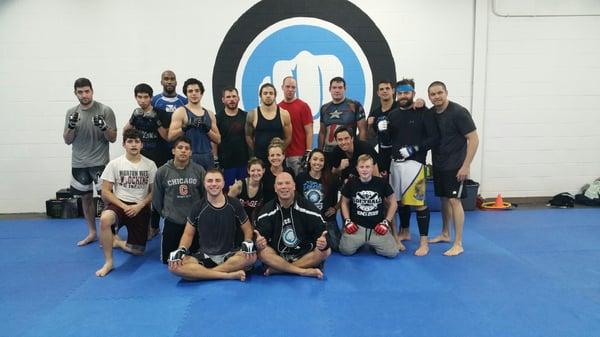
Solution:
(248, 247)
(73, 119)
(100, 123)
(177, 255)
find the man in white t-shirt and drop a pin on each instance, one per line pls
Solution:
(127, 191)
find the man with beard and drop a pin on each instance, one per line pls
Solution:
(266, 122)
(196, 123)
(232, 153)
(451, 161)
(89, 127)
(346, 153)
(412, 133)
(340, 112)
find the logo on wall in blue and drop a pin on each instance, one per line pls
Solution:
(313, 42)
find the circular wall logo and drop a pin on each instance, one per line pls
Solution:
(312, 42)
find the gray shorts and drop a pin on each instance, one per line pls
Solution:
(294, 163)
(83, 179)
(384, 245)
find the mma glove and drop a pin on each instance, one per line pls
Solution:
(248, 247)
(408, 151)
(177, 255)
(199, 123)
(73, 119)
(216, 162)
(100, 123)
(304, 161)
(382, 228)
(350, 227)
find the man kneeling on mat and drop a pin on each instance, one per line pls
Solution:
(216, 217)
(291, 235)
(127, 191)
(368, 205)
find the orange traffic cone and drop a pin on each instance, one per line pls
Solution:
(497, 205)
(499, 202)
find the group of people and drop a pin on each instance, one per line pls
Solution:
(238, 186)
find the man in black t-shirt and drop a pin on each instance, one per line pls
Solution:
(232, 153)
(346, 153)
(216, 218)
(378, 123)
(368, 206)
(451, 161)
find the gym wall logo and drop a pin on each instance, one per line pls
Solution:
(311, 40)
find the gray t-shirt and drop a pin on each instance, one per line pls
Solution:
(90, 148)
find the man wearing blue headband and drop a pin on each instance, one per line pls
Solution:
(451, 161)
(413, 132)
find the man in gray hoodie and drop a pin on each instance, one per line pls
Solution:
(177, 187)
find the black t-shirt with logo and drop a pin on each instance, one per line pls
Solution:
(367, 207)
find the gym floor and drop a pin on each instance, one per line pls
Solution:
(525, 272)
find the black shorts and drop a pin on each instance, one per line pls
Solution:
(137, 227)
(83, 179)
(385, 159)
(171, 236)
(446, 185)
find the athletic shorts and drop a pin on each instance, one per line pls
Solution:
(137, 227)
(295, 163)
(385, 159)
(205, 160)
(211, 261)
(446, 185)
(408, 182)
(233, 173)
(83, 179)
(384, 245)
(296, 254)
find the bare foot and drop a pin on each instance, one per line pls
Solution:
(270, 271)
(404, 234)
(440, 238)
(401, 247)
(454, 250)
(422, 250)
(240, 274)
(152, 232)
(118, 242)
(88, 239)
(313, 272)
(106, 268)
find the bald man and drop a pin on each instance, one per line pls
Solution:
(291, 236)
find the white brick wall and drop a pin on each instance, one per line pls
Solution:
(539, 122)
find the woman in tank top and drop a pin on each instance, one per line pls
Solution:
(250, 190)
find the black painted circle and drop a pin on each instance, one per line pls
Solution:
(265, 13)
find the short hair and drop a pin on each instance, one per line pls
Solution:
(364, 157)
(337, 79)
(436, 83)
(182, 139)
(255, 161)
(131, 134)
(285, 78)
(265, 86)
(343, 129)
(276, 142)
(143, 88)
(192, 81)
(82, 82)
(385, 81)
(214, 170)
(229, 88)
(406, 81)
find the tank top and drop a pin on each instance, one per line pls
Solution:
(251, 205)
(199, 138)
(265, 131)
